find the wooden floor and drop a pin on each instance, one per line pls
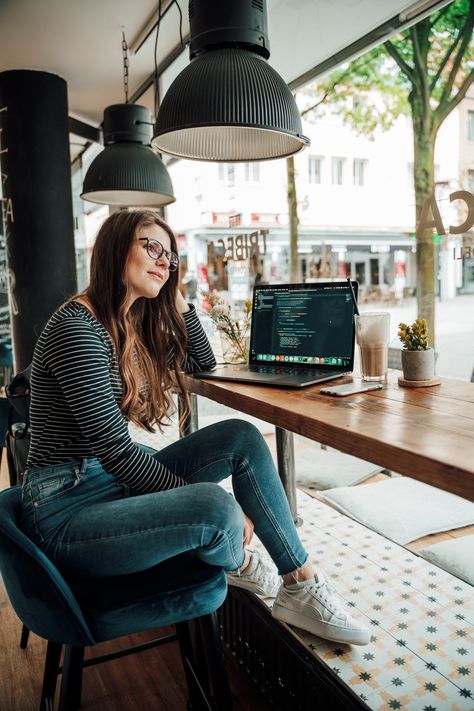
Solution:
(149, 681)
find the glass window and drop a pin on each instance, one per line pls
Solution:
(226, 172)
(359, 171)
(337, 171)
(360, 272)
(374, 271)
(314, 169)
(470, 181)
(252, 172)
(470, 125)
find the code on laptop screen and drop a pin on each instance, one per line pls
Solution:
(309, 324)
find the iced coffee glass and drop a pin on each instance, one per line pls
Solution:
(373, 335)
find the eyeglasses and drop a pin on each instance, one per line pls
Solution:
(155, 250)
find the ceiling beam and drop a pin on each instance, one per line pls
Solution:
(167, 61)
(85, 130)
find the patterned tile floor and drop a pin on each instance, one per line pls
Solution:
(420, 654)
(420, 657)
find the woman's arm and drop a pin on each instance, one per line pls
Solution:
(79, 359)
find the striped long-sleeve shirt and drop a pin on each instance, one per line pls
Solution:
(75, 395)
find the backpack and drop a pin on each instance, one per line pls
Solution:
(17, 439)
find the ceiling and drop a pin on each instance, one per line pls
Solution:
(81, 40)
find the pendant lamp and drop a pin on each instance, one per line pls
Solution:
(229, 104)
(128, 172)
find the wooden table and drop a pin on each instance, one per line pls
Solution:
(424, 433)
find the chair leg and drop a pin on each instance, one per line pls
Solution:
(50, 676)
(214, 652)
(25, 633)
(70, 699)
(190, 664)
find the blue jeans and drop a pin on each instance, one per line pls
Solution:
(90, 525)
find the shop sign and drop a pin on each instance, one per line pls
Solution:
(430, 205)
(226, 219)
(266, 218)
(238, 247)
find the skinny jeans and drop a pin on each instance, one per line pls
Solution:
(91, 525)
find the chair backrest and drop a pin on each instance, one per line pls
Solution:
(39, 594)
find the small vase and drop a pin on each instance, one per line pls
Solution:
(418, 365)
(235, 352)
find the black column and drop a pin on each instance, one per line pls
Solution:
(37, 201)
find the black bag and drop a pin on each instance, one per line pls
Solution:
(17, 440)
(18, 394)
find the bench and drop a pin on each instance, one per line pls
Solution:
(420, 618)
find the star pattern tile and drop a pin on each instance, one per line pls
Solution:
(420, 655)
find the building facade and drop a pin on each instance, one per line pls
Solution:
(356, 211)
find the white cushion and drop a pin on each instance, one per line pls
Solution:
(455, 556)
(402, 509)
(327, 468)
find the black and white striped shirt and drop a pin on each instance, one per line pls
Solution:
(75, 395)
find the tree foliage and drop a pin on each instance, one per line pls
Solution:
(435, 57)
(424, 72)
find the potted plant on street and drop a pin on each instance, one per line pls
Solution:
(417, 356)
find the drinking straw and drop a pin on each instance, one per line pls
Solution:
(356, 308)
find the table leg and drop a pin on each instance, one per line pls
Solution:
(191, 423)
(286, 468)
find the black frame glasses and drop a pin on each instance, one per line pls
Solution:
(155, 250)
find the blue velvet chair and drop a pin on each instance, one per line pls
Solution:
(75, 613)
(6, 361)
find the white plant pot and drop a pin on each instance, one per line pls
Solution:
(418, 365)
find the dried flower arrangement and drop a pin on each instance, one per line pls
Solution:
(235, 331)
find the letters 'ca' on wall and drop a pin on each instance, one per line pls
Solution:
(430, 207)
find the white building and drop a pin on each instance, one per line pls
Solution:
(356, 205)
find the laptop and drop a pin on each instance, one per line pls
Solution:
(301, 334)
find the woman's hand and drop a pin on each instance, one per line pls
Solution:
(248, 530)
(181, 304)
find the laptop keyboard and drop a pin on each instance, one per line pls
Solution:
(281, 370)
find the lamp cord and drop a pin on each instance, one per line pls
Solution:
(155, 57)
(125, 66)
(180, 22)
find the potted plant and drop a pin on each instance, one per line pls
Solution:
(417, 357)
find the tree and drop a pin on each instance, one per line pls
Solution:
(425, 72)
(293, 218)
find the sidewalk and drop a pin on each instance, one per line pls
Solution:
(454, 332)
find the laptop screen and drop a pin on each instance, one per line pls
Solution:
(307, 325)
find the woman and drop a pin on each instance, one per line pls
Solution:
(99, 504)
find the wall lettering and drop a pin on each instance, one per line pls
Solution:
(238, 247)
(7, 279)
(7, 211)
(430, 206)
(465, 252)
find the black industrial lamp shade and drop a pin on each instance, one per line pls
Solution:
(128, 172)
(228, 104)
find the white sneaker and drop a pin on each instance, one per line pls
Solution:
(260, 576)
(316, 607)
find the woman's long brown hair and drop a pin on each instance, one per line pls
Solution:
(150, 337)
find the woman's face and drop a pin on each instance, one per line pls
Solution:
(144, 275)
